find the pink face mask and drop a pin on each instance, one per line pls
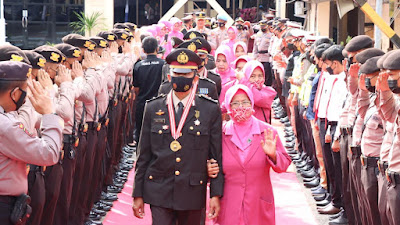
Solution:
(241, 114)
(258, 84)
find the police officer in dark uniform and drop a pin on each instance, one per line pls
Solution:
(206, 86)
(181, 131)
(147, 76)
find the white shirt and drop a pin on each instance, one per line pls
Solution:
(176, 100)
(338, 97)
(324, 96)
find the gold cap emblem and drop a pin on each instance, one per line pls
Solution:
(124, 36)
(103, 44)
(183, 58)
(16, 58)
(76, 53)
(192, 35)
(111, 37)
(41, 62)
(87, 44)
(29, 73)
(192, 47)
(54, 57)
(91, 47)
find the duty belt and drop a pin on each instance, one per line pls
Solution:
(262, 52)
(344, 131)
(8, 199)
(382, 166)
(369, 161)
(355, 151)
(393, 177)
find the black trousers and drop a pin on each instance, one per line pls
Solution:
(98, 174)
(5, 212)
(308, 139)
(269, 77)
(382, 199)
(84, 209)
(369, 179)
(61, 216)
(37, 192)
(74, 218)
(53, 178)
(353, 215)
(332, 165)
(164, 216)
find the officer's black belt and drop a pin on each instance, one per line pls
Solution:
(68, 138)
(369, 161)
(92, 125)
(332, 123)
(393, 177)
(382, 166)
(344, 131)
(35, 168)
(8, 199)
(355, 151)
(263, 52)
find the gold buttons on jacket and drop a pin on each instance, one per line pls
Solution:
(191, 128)
(198, 133)
(178, 159)
(151, 177)
(177, 173)
(160, 131)
(201, 182)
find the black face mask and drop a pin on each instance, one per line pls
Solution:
(181, 84)
(329, 70)
(291, 46)
(368, 85)
(239, 27)
(203, 63)
(21, 99)
(221, 24)
(393, 86)
(264, 30)
(312, 60)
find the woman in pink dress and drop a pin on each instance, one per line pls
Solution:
(175, 32)
(254, 78)
(223, 60)
(250, 148)
(232, 32)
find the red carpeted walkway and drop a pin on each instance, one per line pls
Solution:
(290, 202)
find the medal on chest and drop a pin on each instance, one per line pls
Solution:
(175, 132)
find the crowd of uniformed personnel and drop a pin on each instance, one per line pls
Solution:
(72, 114)
(87, 83)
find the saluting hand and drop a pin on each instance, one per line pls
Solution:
(113, 47)
(63, 75)
(269, 144)
(361, 83)
(354, 68)
(39, 98)
(383, 82)
(77, 70)
(127, 48)
(138, 207)
(44, 79)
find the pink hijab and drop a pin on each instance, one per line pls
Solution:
(249, 68)
(245, 58)
(228, 74)
(231, 42)
(239, 43)
(167, 24)
(242, 133)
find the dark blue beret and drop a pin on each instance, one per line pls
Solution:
(14, 71)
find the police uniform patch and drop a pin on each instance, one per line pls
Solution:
(203, 91)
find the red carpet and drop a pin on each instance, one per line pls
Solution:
(290, 201)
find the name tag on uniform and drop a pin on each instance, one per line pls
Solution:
(203, 91)
(159, 120)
